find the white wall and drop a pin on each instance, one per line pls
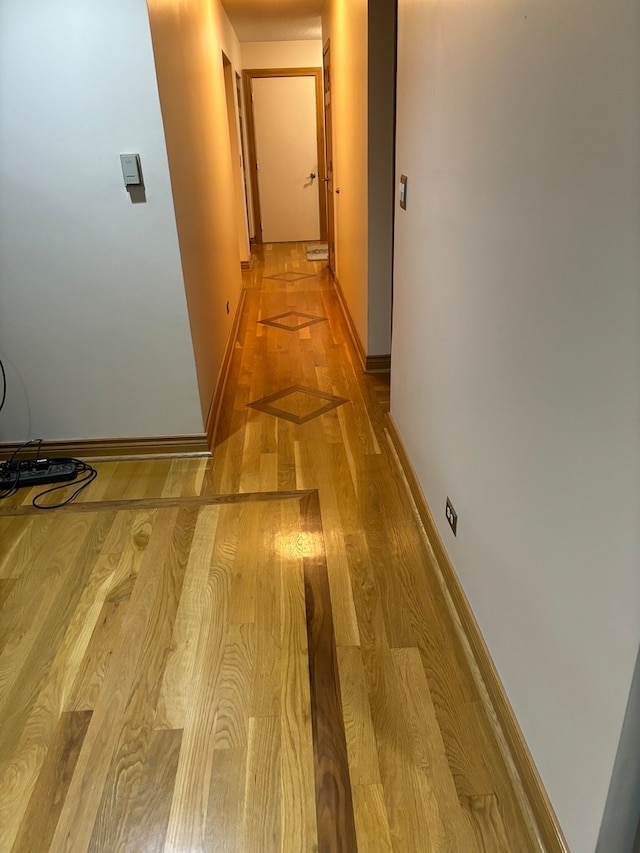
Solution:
(282, 54)
(380, 150)
(362, 48)
(93, 320)
(189, 37)
(344, 24)
(227, 35)
(231, 48)
(516, 351)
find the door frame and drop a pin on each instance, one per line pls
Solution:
(330, 213)
(237, 164)
(243, 147)
(248, 76)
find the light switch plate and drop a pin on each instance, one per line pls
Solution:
(131, 169)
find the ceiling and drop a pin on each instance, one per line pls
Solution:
(275, 20)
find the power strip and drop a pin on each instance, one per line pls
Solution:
(36, 472)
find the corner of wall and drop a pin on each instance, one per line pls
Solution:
(188, 42)
(381, 92)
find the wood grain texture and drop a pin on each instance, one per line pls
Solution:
(47, 799)
(297, 744)
(334, 802)
(372, 825)
(145, 825)
(262, 827)
(386, 556)
(96, 768)
(153, 503)
(253, 651)
(38, 669)
(133, 743)
(226, 803)
(487, 823)
(175, 693)
(6, 586)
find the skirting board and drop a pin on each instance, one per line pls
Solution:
(216, 403)
(535, 799)
(370, 363)
(377, 364)
(108, 448)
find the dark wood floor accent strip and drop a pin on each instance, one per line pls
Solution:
(41, 818)
(161, 503)
(334, 800)
(291, 276)
(6, 585)
(309, 320)
(264, 405)
(145, 827)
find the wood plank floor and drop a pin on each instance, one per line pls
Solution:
(248, 653)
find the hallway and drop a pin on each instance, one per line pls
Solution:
(252, 652)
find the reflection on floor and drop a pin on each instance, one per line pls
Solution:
(249, 653)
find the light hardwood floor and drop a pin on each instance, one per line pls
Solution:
(249, 653)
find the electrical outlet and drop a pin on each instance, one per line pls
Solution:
(452, 516)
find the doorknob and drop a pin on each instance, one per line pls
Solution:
(312, 175)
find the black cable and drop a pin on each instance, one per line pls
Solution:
(8, 492)
(21, 447)
(4, 385)
(83, 468)
(16, 484)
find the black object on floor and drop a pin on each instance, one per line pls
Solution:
(36, 472)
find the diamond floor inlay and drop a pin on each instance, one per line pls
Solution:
(290, 276)
(298, 404)
(288, 321)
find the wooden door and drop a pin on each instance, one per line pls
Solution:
(288, 154)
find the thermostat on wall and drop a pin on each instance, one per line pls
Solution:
(131, 169)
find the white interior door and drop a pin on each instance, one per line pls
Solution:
(284, 112)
